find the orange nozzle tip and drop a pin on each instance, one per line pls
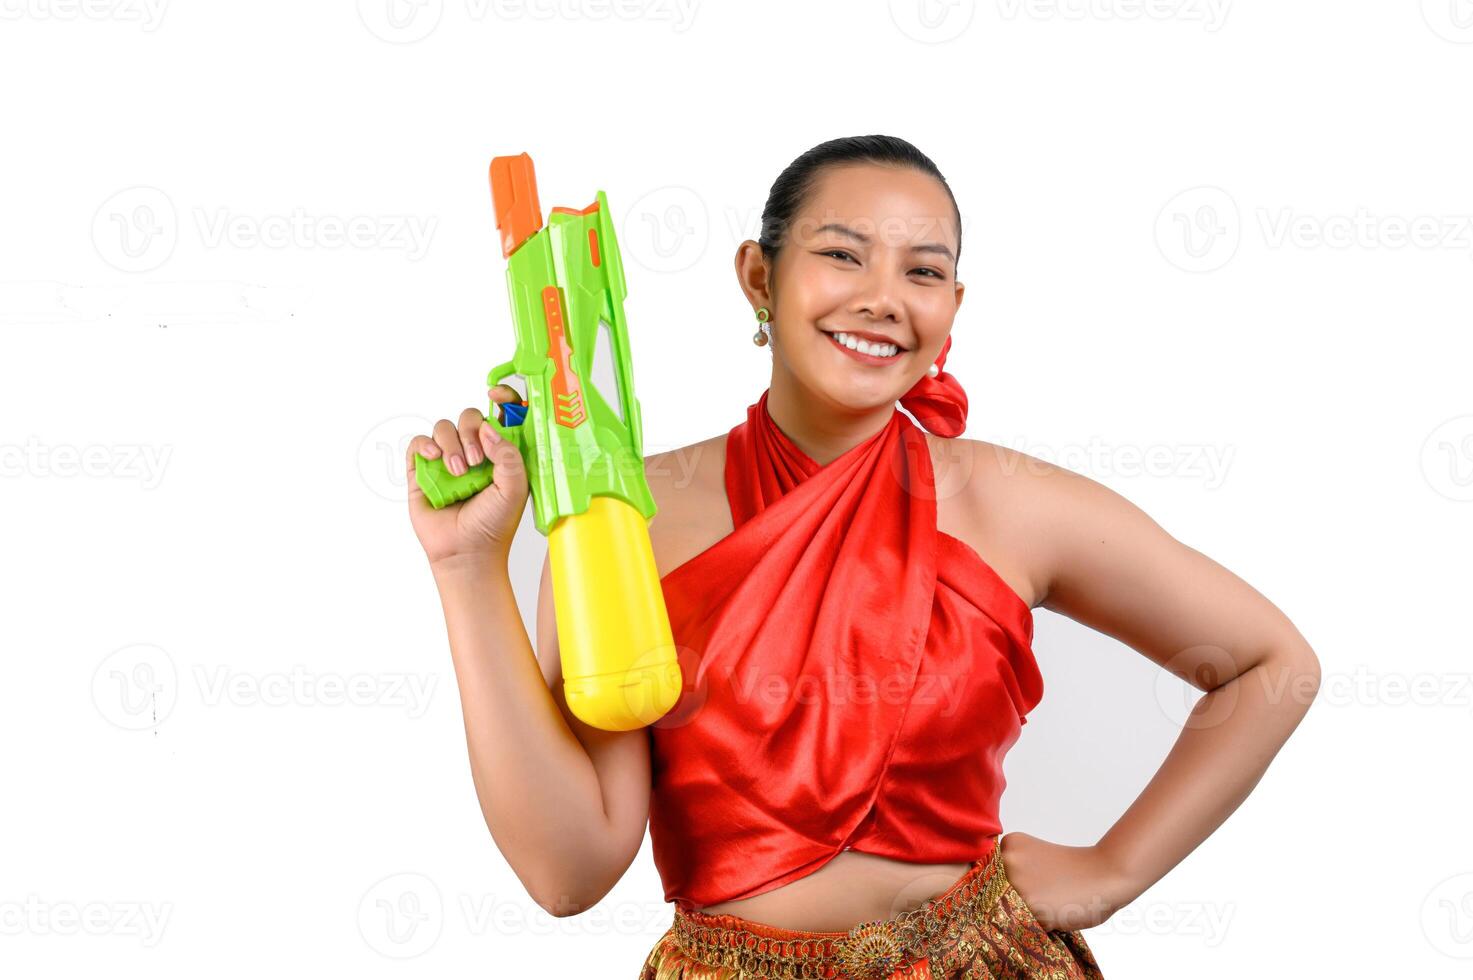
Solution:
(514, 195)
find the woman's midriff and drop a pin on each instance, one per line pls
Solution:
(852, 888)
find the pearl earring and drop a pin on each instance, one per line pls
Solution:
(933, 370)
(760, 338)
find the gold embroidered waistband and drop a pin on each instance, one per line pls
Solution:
(870, 951)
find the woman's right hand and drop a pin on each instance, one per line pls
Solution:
(483, 525)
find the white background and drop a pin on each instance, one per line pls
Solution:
(1218, 257)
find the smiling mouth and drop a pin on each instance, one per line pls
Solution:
(866, 352)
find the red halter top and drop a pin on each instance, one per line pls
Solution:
(853, 676)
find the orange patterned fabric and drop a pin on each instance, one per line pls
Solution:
(979, 929)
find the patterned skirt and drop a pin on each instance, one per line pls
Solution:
(979, 929)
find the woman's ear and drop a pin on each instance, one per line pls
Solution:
(753, 275)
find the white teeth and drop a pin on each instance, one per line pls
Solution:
(865, 347)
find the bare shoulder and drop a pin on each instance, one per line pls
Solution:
(1034, 514)
(678, 477)
(1006, 504)
(1006, 468)
(1004, 485)
(691, 511)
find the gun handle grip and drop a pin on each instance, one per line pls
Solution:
(442, 488)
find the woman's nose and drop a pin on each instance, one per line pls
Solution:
(877, 298)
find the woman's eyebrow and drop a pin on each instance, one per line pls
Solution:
(843, 230)
(863, 239)
(936, 247)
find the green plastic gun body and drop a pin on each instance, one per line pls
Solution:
(584, 459)
(566, 282)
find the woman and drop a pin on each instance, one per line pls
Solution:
(855, 669)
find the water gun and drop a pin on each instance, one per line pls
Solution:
(584, 459)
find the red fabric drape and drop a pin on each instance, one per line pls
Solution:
(853, 676)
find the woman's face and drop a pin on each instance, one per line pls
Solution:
(872, 255)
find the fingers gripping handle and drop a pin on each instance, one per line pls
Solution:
(443, 488)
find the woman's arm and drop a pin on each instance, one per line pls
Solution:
(1104, 563)
(566, 803)
(567, 810)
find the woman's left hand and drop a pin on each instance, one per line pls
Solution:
(1065, 887)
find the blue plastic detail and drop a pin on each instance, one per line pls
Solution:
(514, 414)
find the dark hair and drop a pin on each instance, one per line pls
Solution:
(795, 183)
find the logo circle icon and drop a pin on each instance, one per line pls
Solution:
(933, 21)
(1447, 458)
(695, 688)
(401, 916)
(1447, 916)
(1451, 20)
(666, 230)
(381, 454)
(1178, 698)
(401, 21)
(136, 687)
(951, 474)
(136, 229)
(1199, 229)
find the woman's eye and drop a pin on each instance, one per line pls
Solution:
(841, 254)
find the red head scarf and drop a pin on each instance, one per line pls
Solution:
(939, 404)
